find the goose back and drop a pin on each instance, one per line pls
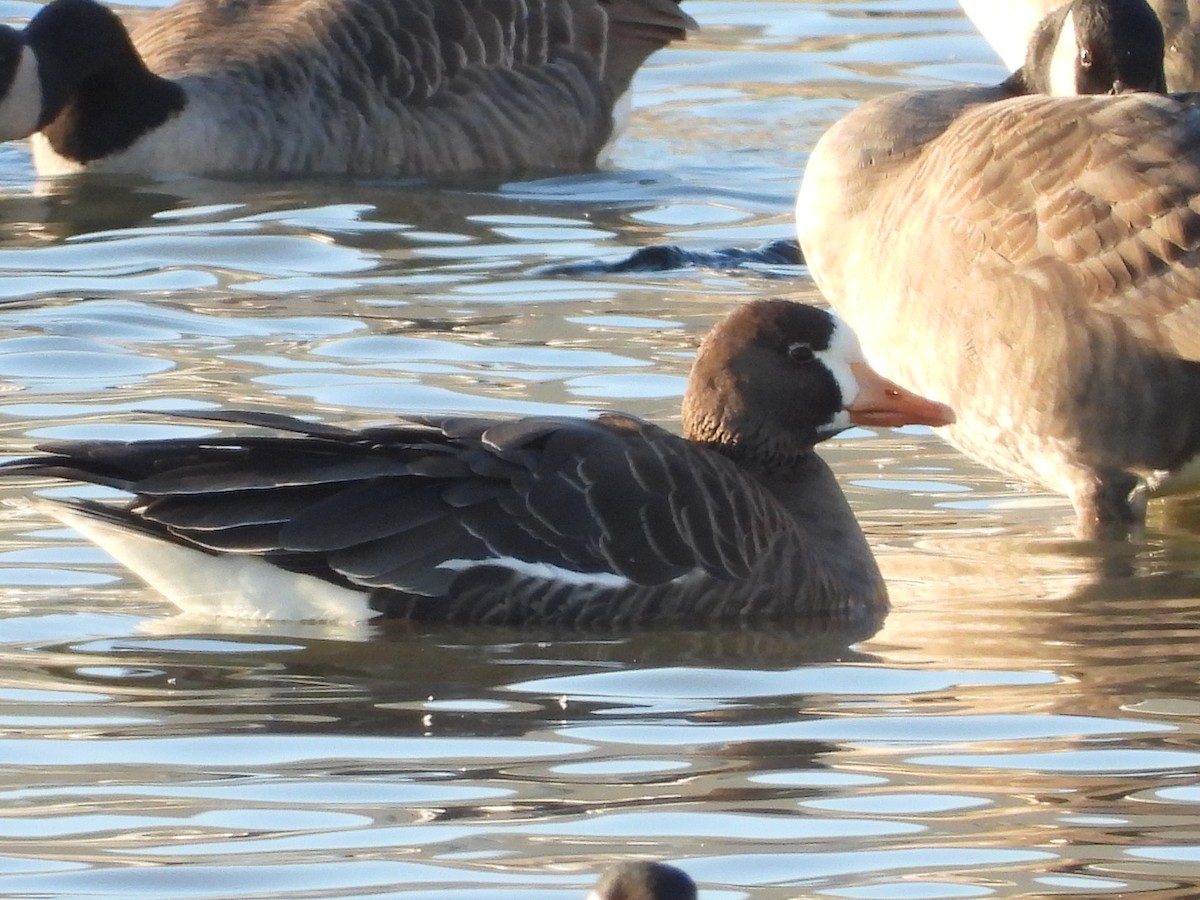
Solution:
(403, 87)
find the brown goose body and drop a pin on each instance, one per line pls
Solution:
(393, 87)
(1034, 260)
(611, 522)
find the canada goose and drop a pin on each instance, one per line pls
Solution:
(389, 87)
(644, 881)
(1008, 27)
(1034, 260)
(555, 521)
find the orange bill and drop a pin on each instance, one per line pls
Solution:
(883, 403)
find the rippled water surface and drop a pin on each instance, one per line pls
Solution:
(1024, 725)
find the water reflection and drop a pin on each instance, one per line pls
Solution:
(1022, 725)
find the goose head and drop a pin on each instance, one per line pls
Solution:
(1095, 47)
(73, 49)
(644, 881)
(20, 87)
(775, 377)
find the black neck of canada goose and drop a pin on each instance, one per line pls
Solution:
(1094, 47)
(87, 70)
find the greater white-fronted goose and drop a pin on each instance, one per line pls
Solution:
(1009, 25)
(605, 522)
(386, 87)
(1035, 261)
(644, 881)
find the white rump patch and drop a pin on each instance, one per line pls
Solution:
(1064, 60)
(622, 112)
(22, 105)
(844, 350)
(543, 571)
(228, 585)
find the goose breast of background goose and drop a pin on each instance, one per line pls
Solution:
(396, 87)
(1035, 261)
(1008, 27)
(581, 523)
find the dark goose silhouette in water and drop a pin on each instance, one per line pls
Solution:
(644, 881)
(607, 523)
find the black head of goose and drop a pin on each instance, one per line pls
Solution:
(1036, 261)
(582, 523)
(644, 881)
(1009, 27)
(1094, 47)
(389, 87)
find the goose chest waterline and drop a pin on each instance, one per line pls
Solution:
(600, 523)
(388, 87)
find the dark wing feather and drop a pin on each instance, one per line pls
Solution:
(382, 509)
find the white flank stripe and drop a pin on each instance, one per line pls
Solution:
(543, 571)
(225, 586)
(22, 105)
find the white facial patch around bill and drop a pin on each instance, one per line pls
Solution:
(844, 350)
(1064, 61)
(21, 108)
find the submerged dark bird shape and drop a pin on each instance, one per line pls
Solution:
(605, 522)
(1035, 261)
(383, 87)
(644, 881)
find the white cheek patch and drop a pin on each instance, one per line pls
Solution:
(21, 108)
(1064, 60)
(843, 351)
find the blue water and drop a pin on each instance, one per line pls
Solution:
(1024, 725)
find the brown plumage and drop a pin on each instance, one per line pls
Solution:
(395, 87)
(1035, 261)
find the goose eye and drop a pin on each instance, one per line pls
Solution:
(801, 353)
(1085, 58)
